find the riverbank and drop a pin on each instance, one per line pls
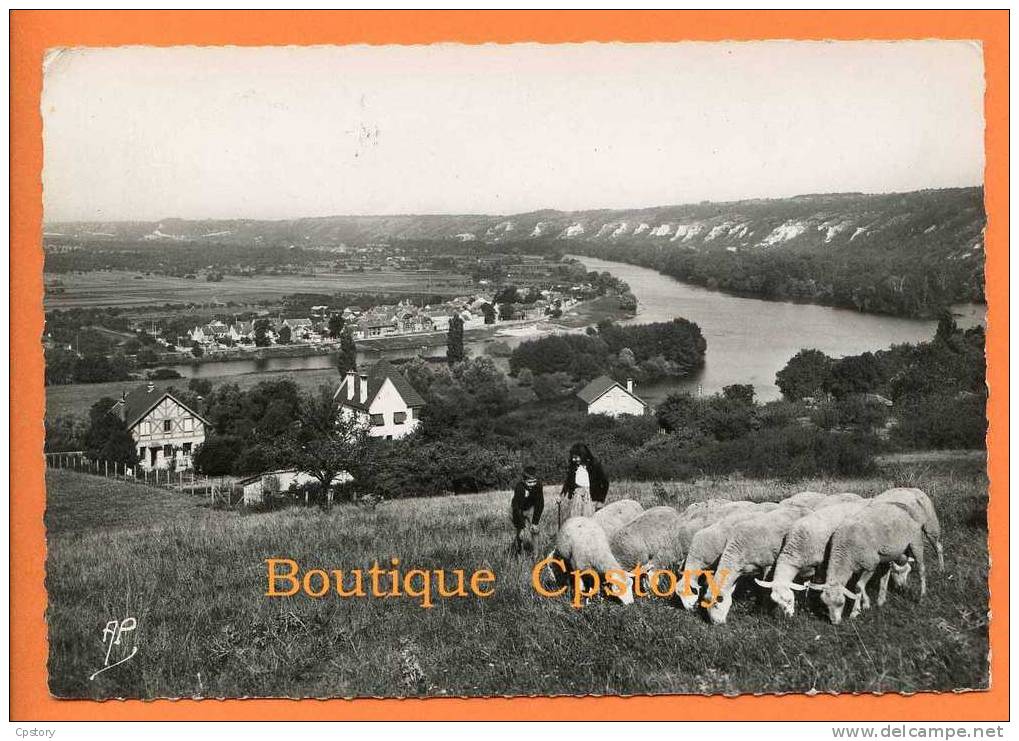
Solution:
(750, 339)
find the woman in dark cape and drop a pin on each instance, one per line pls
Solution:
(586, 485)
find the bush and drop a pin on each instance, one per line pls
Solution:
(942, 421)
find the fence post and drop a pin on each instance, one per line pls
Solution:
(106, 469)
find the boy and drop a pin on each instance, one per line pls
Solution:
(526, 508)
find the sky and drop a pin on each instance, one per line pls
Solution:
(143, 133)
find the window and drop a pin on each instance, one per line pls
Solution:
(141, 453)
(167, 425)
(145, 428)
(186, 447)
(399, 418)
(377, 420)
(189, 424)
(167, 451)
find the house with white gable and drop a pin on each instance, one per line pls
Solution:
(165, 430)
(198, 335)
(605, 395)
(383, 398)
(241, 331)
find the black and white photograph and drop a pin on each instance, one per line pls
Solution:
(506, 370)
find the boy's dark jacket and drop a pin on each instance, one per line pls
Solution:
(525, 498)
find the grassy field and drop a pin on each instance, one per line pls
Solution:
(194, 578)
(123, 288)
(75, 399)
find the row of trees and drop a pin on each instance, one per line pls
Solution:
(644, 352)
(938, 388)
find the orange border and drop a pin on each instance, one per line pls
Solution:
(34, 31)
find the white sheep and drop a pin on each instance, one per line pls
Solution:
(879, 533)
(651, 538)
(804, 551)
(693, 522)
(613, 516)
(753, 545)
(846, 497)
(582, 544)
(697, 508)
(810, 499)
(921, 508)
(706, 548)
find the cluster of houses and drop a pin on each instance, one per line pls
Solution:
(167, 431)
(220, 333)
(382, 321)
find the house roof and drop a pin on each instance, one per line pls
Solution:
(375, 320)
(137, 403)
(601, 386)
(376, 380)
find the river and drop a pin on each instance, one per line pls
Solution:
(749, 340)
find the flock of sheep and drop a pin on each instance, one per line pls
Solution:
(831, 537)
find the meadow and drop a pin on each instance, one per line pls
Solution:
(76, 398)
(127, 288)
(195, 579)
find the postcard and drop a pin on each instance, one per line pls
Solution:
(514, 370)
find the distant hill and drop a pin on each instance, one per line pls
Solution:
(809, 222)
(927, 244)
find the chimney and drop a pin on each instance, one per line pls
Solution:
(151, 387)
(350, 385)
(364, 388)
(629, 385)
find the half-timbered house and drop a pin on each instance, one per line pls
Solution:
(165, 430)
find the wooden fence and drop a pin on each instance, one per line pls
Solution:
(219, 490)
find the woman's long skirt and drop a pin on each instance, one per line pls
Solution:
(580, 503)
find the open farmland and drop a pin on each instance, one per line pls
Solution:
(194, 578)
(124, 288)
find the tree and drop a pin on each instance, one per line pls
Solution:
(99, 368)
(508, 295)
(740, 392)
(64, 433)
(262, 333)
(489, 311)
(217, 455)
(285, 335)
(61, 365)
(855, 374)
(325, 442)
(946, 327)
(346, 360)
(678, 412)
(200, 386)
(455, 340)
(335, 325)
(107, 437)
(197, 350)
(806, 374)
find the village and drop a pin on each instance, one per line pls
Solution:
(325, 324)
